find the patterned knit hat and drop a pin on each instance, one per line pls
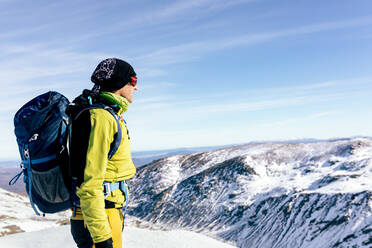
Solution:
(112, 74)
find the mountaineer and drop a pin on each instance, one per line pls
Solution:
(100, 179)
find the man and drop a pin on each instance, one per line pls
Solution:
(98, 222)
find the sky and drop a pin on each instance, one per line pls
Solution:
(210, 72)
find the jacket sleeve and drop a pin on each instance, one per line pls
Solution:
(90, 192)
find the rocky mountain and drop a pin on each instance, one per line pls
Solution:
(315, 194)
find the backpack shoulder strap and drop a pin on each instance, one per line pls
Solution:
(117, 137)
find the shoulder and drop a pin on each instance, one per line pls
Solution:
(102, 115)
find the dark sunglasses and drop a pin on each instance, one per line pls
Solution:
(133, 81)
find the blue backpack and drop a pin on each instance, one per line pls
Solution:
(42, 128)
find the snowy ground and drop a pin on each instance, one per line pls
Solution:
(16, 215)
(22, 229)
(133, 238)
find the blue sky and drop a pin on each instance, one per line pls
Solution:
(211, 72)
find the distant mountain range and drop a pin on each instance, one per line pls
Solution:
(294, 194)
(10, 168)
(141, 158)
(144, 157)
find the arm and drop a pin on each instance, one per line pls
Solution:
(90, 192)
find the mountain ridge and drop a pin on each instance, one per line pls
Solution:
(219, 192)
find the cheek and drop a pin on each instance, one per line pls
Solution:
(127, 92)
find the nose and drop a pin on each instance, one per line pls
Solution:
(136, 87)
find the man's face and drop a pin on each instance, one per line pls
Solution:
(127, 92)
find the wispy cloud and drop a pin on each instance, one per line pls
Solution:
(306, 118)
(182, 7)
(248, 106)
(271, 96)
(38, 61)
(28, 62)
(56, 15)
(149, 64)
(265, 99)
(167, 14)
(332, 86)
(23, 31)
(193, 50)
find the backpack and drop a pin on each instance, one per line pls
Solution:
(43, 131)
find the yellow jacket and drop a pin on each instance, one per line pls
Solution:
(99, 169)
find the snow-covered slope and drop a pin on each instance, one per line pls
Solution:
(133, 238)
(21, 228)
(16, 215)
(264, 195)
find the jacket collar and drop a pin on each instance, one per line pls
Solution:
(120, 102)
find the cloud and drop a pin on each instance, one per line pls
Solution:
(38, 60)
(20, 64)
(166, 14)
(332, 86)
(199, 106)
(23, 32)
(182, 7)
(194, 50)
(299, 120)
(248, 106)
(66, 17)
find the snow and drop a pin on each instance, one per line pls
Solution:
(265, 195)
(287, 173)
(16, 214)
(133, 238)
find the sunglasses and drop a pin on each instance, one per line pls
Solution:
(133, 81)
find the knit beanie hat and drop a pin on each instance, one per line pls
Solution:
(112, 74)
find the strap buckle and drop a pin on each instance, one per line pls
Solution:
(123, 185)
(26, 153)
(106, 189)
